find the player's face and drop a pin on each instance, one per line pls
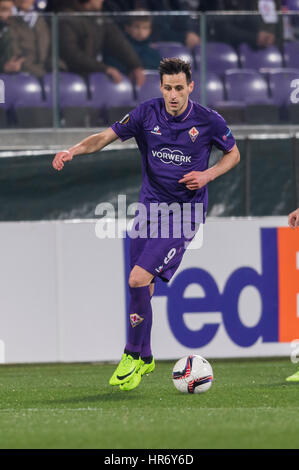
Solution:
(176, 91)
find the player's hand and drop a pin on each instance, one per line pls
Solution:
(60, 158)
(195, 180)
(293, 219)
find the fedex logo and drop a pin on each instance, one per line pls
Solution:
(277, 285)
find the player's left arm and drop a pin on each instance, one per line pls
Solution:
(197, 179)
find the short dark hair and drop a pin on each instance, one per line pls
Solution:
(141, 19)
(173, 66)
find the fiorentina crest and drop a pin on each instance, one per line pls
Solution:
(193, 134)
(135, 319)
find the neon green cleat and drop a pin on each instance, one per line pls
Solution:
(125, 370)
(293, 378)
(133, 382)
(136, 377)
(147, 368)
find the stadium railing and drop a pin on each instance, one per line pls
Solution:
(245, 83)
(255, 89)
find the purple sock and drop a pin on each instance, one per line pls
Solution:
(140, 312)
(146, 350)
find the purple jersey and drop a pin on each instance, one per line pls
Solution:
(172, 146)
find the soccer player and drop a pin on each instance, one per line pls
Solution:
(175, 136)
(293, 220)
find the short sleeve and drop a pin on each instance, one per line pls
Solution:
(130, 125)
(222, 136)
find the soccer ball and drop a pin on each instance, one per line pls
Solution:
(192, 374)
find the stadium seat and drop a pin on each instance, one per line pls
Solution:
(246, 85)
(28, 91)
(8, 81)
(282, 88)
(173, 49)
(258, 59)
(220, 57)
(3, 117)
(72, 89)
(251, 88)
(21, 88)
(75, 107)
(104, 92)
(280, 84)
(232, 111)
(115, 99)
(4, 106)
(291, 54)
(24, 100)
(214, 89)
(293, 5)
(151, 87)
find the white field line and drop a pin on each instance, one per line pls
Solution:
(263, 408)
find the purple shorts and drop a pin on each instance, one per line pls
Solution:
(159, 256)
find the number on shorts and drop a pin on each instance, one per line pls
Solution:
(170, 255)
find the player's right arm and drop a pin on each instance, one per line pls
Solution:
(293, 219)
(91, 144)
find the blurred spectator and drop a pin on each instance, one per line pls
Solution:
(85, 39)
(290, 22)
(10, 61)
(191, 5)
(258, 31)
(192, 25)
(139, 33)
(32, 36)
(121, 5)
(60, 5)
(176, 28)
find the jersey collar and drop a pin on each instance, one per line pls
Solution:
(180, 117)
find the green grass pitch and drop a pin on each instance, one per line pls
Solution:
(72, 406)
